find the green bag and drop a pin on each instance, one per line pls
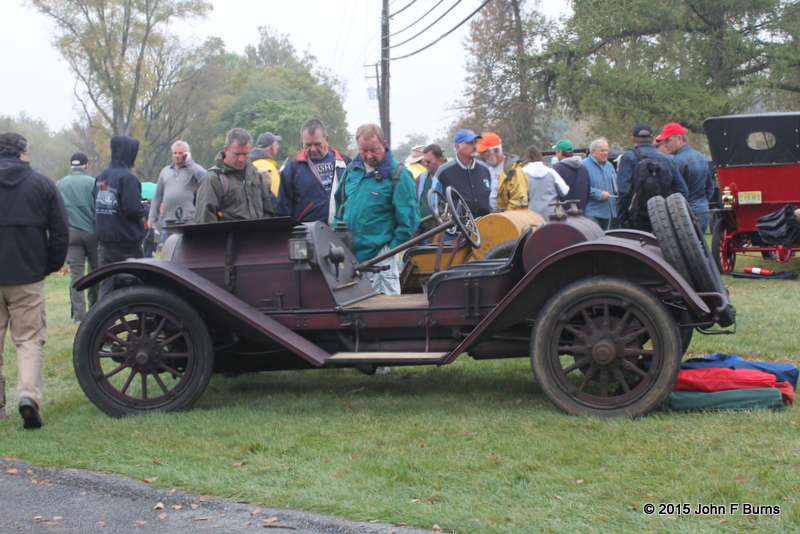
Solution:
(734, 399)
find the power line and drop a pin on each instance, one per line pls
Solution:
(419, 19)
(431, 24)
(446, 34)
(402, 8)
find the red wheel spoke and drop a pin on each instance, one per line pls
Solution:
(621, 380)
(115, 371)
(578, 363)
(169, 340)
(160, 383)
(128, 382)
(170, 370)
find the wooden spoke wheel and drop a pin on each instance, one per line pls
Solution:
(143, 349)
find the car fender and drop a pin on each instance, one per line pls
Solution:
(227, 312)
(615, 256)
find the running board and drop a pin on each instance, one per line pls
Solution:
(388, 358)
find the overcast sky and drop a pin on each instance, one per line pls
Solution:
(344, 35)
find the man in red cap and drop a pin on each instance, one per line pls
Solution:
(642, 139)
(509, 184)
(693, 167)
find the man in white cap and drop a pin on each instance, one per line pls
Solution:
(414, 162)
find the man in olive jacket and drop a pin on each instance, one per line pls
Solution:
(233, 189)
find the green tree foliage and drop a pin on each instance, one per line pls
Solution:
(403, 150)
(624, 61)
(503, 91)
(271, 88)
(50, 151)
(136, 77)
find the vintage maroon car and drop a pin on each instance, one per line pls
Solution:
(604, 317)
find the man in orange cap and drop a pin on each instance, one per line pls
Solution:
(509, 183)
(693, 167)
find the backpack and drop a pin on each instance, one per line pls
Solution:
(650, 178)
(398, 170)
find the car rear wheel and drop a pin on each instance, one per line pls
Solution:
(501, 251)
(143, 349)
(605, 346)
(722, 246)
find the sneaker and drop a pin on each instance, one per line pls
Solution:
(29, 411)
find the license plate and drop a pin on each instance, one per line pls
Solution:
(750, 197)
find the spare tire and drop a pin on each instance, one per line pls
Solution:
(701, 263)
(665, 235)
(501, 251)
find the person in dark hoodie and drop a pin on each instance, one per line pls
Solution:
(34, 238)
(570, 168)
(119, 208)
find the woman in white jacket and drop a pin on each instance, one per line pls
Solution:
(544, 184)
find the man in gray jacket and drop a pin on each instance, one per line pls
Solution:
(175, 187)
(233, 189)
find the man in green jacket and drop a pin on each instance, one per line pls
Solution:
(76, 190)
(381, 211)
(233, 189)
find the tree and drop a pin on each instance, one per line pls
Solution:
(501, 93)
(50, 151)
(129, 66)
(626, 61)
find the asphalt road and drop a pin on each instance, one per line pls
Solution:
(44, 499)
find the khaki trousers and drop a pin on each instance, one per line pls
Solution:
(22, 312)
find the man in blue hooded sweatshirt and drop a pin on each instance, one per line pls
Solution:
(119, 208)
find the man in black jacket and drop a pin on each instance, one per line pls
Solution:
(119, 208)
(34, 237)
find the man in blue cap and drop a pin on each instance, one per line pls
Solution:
(466, 174)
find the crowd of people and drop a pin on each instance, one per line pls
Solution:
(91, 222)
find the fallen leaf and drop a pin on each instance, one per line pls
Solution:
(51, 523)
(29, 472)
(421, 444)
(140, 522)
(202, 499)
(336, 473)
(559, 497)
(722, 521)
(354, 391)
(159, 506)
(349, 406)
(157, 462)
(602, 469)
(248, 523)
(740, 478)
(270, 520)
(173, 490)
(34, 481)
(162, 515)
(356, 457)
(374, 521)
(431, 501)
(437, 528)
(238, 464)
(579, 481)
(12, 472)
(666, 429)
(150, 480)
(493, 457)
(470, 433)
(194, 506)
(254, 512)
(101, 523)
(414, 500)
(177, 506)
(57, 518)
(204, 518)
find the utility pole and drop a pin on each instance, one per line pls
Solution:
(383, 88)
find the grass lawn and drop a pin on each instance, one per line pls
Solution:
(473, 447)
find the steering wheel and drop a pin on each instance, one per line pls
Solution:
(438, 204)
(463, 217)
